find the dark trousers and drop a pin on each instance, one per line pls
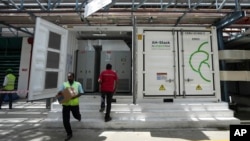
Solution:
(2, 98)
(66, 117)
(108, 96)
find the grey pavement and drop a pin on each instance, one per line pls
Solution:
(25, 123)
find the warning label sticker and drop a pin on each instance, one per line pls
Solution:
(139, 36)
(162, 88)
(161, 76)
(198, 87)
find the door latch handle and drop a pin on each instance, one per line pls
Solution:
(189, 79)
(170, 80)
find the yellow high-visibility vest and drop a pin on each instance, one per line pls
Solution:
(11, 82)
(75, 101)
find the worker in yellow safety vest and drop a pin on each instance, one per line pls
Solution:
(8, 86)
(71, 105)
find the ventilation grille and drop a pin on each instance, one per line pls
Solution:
(89, 84)
(123, 85)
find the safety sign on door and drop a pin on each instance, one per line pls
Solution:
(162, 88)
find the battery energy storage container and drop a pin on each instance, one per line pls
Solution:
(178, 62)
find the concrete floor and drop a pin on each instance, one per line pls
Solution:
(24, 123)
(36, 134)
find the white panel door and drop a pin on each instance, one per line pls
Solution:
(48, 60)
(196, 67)
(89, 71)
(123, 70)
(159, 59)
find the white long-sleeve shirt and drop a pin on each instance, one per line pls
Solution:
(5, 81)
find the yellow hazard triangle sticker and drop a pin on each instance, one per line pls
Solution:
(198, 87)
(162, 88)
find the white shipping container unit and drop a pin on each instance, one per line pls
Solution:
(178, 62)
(165, 61)
(164, 64)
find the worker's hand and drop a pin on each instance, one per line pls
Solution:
(59, 93)
(99, 81)
(78, 95)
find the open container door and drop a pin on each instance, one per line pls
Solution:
(48, 60)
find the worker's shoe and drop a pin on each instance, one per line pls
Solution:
(101, 110)
(108, 119)
(68, 137)
(80, 118)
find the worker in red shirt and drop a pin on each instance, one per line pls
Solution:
(108, 82)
